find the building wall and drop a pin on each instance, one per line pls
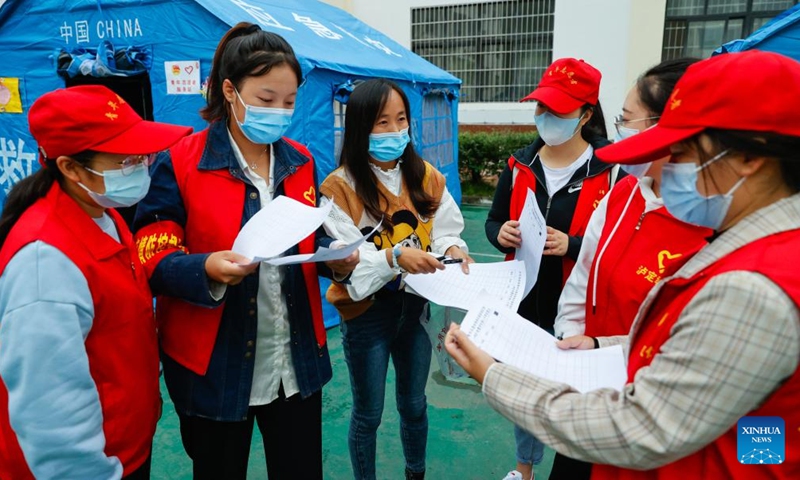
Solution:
(622, 38)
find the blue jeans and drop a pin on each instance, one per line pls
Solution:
(530, 450)
(390, 327)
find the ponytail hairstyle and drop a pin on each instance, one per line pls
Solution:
(656, 85)
(363, 109)
(596, 126)
(30, 189)
(245, 51)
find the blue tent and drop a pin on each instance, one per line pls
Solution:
(779, 35)
(164, 48)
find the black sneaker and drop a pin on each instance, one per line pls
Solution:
(415, 476)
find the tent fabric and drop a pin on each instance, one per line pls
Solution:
(335, 50)
(352, 47)
(779, 35)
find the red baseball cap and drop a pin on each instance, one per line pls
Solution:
(567, 85)
(753, 90)
(92, 117)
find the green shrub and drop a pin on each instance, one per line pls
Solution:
(483, 154)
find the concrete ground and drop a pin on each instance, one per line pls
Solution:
(467, 439)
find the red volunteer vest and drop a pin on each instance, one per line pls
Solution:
(644, 249)
(772, 257)
(121, 346)
(593, 190)
(214, 202)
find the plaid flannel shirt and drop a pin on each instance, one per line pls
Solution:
(733, 345)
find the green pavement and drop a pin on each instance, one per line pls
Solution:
(467, 439)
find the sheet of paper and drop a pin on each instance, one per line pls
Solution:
(323, 254)
(452, 288)
(277, 227)
(534, 233)
(515, 341)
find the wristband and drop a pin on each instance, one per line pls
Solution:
(396, 252)
(596, 343)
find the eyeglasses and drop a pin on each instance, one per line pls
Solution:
(621, 122)
(128, 165)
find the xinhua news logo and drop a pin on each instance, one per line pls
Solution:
(761, 440)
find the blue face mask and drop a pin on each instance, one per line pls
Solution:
(122, 190)
(684, 202)
(639, 170)
(556, 130)
(263, 125)
(624, 132)
(386, 147)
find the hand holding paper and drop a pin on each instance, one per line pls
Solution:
(346, 266)
(472, 359)
(227, 267)
(511, 339)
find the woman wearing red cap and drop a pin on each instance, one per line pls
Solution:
(239, 349)
(713, 376)
(631, 241)
(569, 181)
(79, 396)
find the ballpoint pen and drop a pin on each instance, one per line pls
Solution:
(447, 260)
(452, 260)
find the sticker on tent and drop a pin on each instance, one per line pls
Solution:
(10, 101)
(183, 77)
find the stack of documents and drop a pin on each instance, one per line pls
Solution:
(491, 294)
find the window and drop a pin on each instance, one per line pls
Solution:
(498, 49)
(695, 28)
(437, 130)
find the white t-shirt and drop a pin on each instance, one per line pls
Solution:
(556, 178)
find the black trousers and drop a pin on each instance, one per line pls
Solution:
(292, 432)
(141, 473)
(566, 468)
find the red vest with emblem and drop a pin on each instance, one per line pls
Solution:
(121, 345)
(772, 257)
(188, 332)
(645, 248)
(593, 190)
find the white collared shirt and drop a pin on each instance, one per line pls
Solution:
(273, 354)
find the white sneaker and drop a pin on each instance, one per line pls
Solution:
(513, 475)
